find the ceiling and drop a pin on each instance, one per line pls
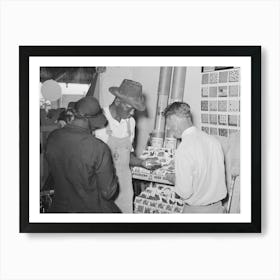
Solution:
(79, 75)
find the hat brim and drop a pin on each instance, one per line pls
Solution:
(99, 121)
(138, 105)
(96, 122)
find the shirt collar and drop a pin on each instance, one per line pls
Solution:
(110, 118)
(188, 131)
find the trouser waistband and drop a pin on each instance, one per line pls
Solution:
(215, 207)
(211, 204)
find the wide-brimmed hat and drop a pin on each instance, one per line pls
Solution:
(131, 93)
(88, 107)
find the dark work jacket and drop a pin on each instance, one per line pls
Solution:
(83, 172)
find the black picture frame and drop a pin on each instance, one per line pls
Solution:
(254, 52)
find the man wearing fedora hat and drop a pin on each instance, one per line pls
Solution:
(119, 136)
(80, 164)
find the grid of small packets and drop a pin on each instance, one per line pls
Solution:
(220, 102)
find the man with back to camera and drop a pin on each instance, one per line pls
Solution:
(119, 136)
(199, 163)
(81, 165)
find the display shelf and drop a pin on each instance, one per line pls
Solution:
(220, 102)
(158, 199)
(150, 177)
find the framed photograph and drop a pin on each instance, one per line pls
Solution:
(107, 139)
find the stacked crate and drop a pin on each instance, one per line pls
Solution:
(158, 199)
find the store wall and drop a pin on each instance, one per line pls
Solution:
(149, 78)
(192, 92)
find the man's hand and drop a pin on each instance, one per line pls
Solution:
(151, 163)
(170, 177)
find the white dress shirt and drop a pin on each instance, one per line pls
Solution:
(199, 168)
(119, 129)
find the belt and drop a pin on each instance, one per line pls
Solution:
(211, 204)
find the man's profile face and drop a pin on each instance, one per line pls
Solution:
(172, 122)
(126, 110)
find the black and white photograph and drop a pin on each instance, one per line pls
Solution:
(136, 140)
(82, 174)
(139, 140)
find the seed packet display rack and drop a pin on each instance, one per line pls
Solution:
(159, 196)
(220, 102)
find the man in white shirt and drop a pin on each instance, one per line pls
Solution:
(199, 163)
(119, 136)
